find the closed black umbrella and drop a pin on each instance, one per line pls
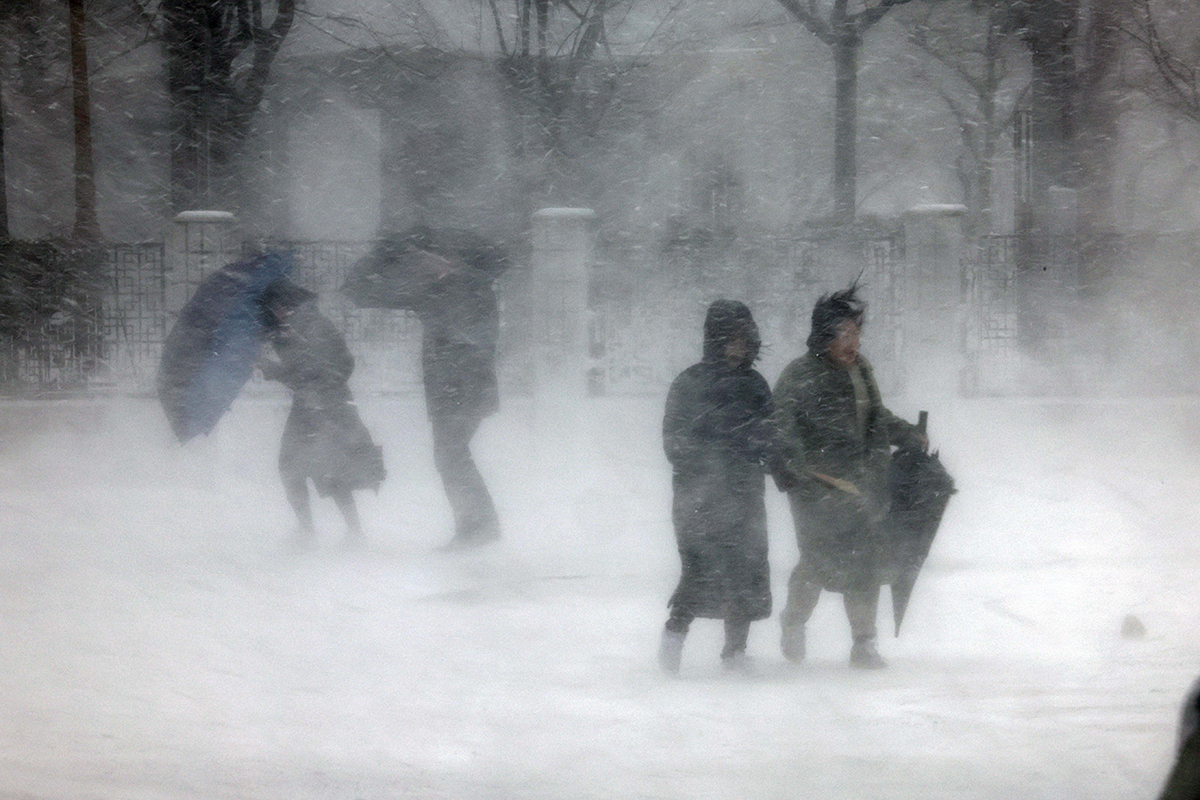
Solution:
(920, 490)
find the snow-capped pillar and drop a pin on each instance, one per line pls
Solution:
(198, 243)
(936, 304)
(561, 262)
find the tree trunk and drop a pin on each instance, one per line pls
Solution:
(1053, 92)
(184, 40)
(4, 234)
(992, 129)
(212, 104)
(1097, 144)
(845, 119)
(1045, 262)
(87, 229)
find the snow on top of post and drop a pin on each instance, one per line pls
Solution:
(204, 216)
(944, 209)
(564, 213)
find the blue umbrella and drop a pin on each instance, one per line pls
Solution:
(210, 353)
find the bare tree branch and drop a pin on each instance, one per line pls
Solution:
(921, 39)
(499, 27)
(1179, 80)
(809, 18)
(866, 19)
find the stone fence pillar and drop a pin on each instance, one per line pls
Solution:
(935, 307)
(562, 259)
(198, 243)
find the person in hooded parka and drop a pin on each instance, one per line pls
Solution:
(838, 437)
(324, 439)
(1183, 783)
(718, 437)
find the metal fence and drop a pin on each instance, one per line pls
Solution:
(56, 356)
(134, 317)
(100, 336)
(990, 339)
(647, 306)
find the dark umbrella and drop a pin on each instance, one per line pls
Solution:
(210, 353)
(920, 489)
(402, 268)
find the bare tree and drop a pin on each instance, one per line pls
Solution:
(1050, 29)
(1100, 99)
(559, 56)
(218, 60)
(843, 30)
(972, 45)
(87, 228)
(10, 12)
(1166, 34)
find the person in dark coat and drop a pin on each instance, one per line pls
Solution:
(1184, 781)
(460, 327)
(324, 440)
(718, 437)
(838, 438)
(446, 276)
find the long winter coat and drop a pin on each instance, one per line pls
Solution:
(460, 326)
(718, 437)
(323, 438)
(824, 431)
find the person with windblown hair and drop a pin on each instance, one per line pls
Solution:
(837, 436)
(718, 437)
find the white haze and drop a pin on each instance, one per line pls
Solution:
(159, 642)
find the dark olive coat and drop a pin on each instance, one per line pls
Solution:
(718, 436)
(817, 417)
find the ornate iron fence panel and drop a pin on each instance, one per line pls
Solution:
(134, 313)
(105, 332)
(56, 356)
(990, 341)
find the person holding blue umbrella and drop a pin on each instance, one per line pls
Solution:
(324, 439)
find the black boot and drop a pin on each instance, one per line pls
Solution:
(670, 651)
(864, 655)
(792, 643)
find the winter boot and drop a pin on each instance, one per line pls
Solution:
(303, 539)
(864, 655)
(792, 643)
(737, 663)
(670, 651)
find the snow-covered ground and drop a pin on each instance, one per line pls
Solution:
(157, 642)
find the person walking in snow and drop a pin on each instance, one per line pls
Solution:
(324, 440)
(718, 437)
(1183, 783)
(837, 436)
(447, 277)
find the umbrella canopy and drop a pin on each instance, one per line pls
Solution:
(402, 268)
(210, 353)
(920, 490)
